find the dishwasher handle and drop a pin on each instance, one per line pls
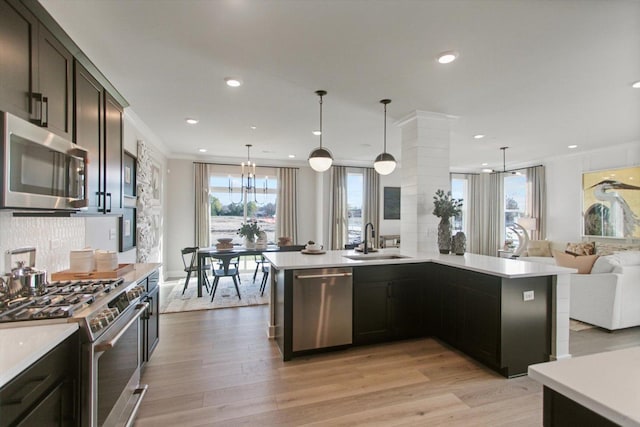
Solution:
(322, 276)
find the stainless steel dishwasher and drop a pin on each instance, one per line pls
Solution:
(322, 308)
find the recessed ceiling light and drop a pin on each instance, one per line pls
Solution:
(636, 85)
(447, 57)
(485, 164)
(233, 82)
(203, 150)
(292, 156)
(317, 133)
(487, 170)
(572, 146)
(478, 136)
(192, 121)
(253, 127)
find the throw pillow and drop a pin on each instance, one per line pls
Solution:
(611, 248)
(583, 263)
(583, 248)
(539, 248)
(604, 264)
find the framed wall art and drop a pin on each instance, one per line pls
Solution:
(391, 202)
(611, 203)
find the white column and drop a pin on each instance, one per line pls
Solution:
(425, 169)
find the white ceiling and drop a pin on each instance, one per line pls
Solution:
(533, 75)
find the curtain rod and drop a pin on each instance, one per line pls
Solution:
(235, 164)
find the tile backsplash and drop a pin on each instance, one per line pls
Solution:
(53, 238)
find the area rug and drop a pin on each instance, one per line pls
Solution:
(577, 326)
(225, 295)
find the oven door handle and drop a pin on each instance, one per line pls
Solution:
(108, 345)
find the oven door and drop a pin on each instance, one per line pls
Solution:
(41, 170)
(115, 391)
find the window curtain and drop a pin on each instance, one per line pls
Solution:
(287, 203)
(537, 200)
(371, 200)
(485, 211)
(202, 207)
(338, 212)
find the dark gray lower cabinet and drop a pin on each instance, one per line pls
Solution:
(485, 316)
(46, 393)
(151, 322)
(387, 302)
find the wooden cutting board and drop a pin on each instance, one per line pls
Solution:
(113, 274)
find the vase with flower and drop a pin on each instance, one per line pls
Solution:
(250, 231)
(444, 207)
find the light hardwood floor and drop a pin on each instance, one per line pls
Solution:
(218, 368)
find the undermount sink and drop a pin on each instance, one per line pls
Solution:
(369, 257)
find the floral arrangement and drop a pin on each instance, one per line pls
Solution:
(249, 230)
(445, 206)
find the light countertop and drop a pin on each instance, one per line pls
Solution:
(607, 383)
(507, 268)
(21, 345)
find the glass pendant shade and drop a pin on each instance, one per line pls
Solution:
(320, 160)
(384, 164)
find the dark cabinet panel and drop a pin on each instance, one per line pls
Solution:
(388, 303)
(480, 331)
(371, 312)
(35, 70)
(55, 83)
(113, 154)
(152, 329)
(46, 393)
(88, 113)
(407, 308)
(18, 41)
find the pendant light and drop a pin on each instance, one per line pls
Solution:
(320, 159)
(385, 163)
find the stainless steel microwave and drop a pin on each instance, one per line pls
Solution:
(40, 170)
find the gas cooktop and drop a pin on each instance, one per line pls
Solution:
(57, 300)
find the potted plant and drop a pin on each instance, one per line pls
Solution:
(444, 207)
(250, 231)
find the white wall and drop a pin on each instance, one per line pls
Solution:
(564, 186)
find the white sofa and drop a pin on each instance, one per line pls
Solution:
(608, 297)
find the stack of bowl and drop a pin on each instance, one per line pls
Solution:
(106, 260)
(224, 244)
(82, 261)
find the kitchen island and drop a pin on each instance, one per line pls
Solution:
(505, 313)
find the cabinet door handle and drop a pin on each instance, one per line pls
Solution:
(109, 196)
(38, 120)
(44, 119)
(389, 290)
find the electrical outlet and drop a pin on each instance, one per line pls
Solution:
(112, 234)
(528, 296)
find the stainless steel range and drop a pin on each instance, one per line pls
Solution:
(108, 313)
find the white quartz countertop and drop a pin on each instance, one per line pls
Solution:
(20, 347)
(607, 383)
(503, 267)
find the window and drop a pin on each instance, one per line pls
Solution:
(460, 190)
(515, 196)
(229, 208)
(355, 190)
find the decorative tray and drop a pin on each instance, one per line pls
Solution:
(113, 274)
(308, 252)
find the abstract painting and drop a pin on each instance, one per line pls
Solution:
(611, 203)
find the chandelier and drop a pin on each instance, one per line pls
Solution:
(248, 181)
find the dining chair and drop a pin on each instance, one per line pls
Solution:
(265, 276)
(190, 262)
(260, 262)
(227, 269)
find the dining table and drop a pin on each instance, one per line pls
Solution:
(204, 253)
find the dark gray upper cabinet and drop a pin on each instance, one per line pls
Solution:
(35, 71)
(113, 125)
(88, 133)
